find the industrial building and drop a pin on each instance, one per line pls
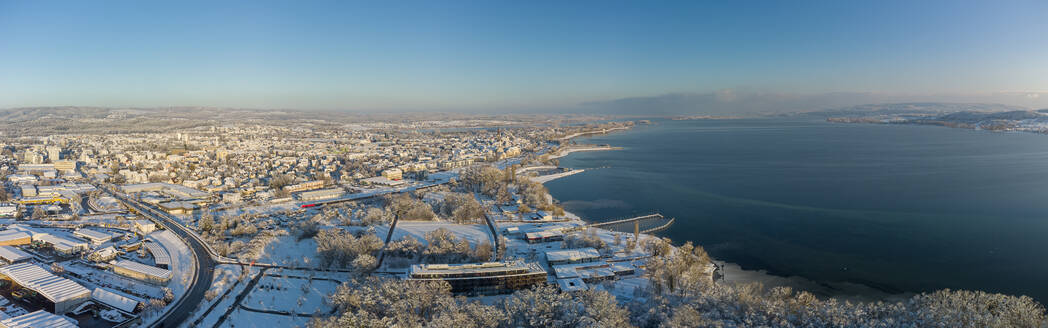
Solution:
(38, 319)
(14, 237)
(62, 295)
(94, 236)
(115, 300)
(11, 255)
(482, 278)
(142, 272)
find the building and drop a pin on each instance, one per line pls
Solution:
(8, 209)
(543, 236)
(115, 300)
(569, 256)
(103, 255)
(160, 255)
(177, 207)
(142, 272)
(393, 174)
(144, 226)
(94, 236)
(11, 255)
(177, 191)
(482, 278)
(14, 237)
(62, 295)
(308, 185)
(588, 272)
(38, 319)
(28, 190)
(64, 245)
(65, 165)
(321, 194)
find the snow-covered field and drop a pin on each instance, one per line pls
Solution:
(288, 250)
(474, 233)
(292, 293)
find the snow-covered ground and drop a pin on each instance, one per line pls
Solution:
(293, 292)
(182, 266)
(474, 233)
(225, 301)
(288, 250)
(241, 318)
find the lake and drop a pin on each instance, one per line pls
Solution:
(897, 208)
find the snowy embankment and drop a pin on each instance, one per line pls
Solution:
(568, 151)
(551, 177)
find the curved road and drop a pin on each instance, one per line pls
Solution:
(205, 264)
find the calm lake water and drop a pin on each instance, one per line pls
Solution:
(897, 208)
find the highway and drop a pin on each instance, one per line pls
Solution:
(204, 256)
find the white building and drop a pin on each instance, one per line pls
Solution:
(38, 319)
(64, 294)
(11, 254)
(142, 272)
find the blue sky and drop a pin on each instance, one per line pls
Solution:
(510, 56)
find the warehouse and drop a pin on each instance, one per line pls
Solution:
(142, 272)
(14, 237)
(38, 319)
(96, 237)
(11, 254)
(62, 294)
(114, 299)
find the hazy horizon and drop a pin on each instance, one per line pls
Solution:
(581, 57)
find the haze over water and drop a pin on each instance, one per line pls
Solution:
(897, 208)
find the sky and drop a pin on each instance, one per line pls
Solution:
(514, 56)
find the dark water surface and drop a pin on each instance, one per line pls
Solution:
(897, 208)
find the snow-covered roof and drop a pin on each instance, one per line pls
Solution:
(572, 255)
(8, 235)
(12, 254)
(571, 284)
(144, 269)
(160, 255)
(52, 287)
(94, 234)
(38, 319)
(114, 299)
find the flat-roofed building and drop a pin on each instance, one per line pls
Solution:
(8, 209)
(14, 237)
(178, 191)
(11, 254)
(28, 190)
(94, 236)
(543, 236)
(144, 227)
(115, 299)
(142, 272)
(568, 256)
(38, 319)
(482, 278)
(64, 245)
(63, 295)
(393, 174)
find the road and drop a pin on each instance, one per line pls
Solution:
(205, 263)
